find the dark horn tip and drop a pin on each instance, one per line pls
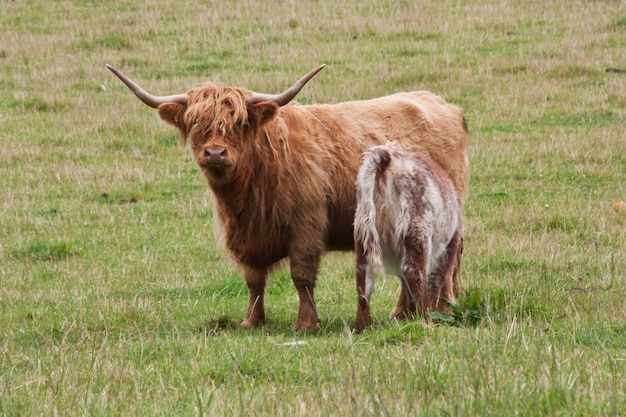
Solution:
(317, 69)
(113, 69)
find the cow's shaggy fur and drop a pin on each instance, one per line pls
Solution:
(408, 222)
(283, 177)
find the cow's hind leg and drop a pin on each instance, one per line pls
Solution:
(403, 306)
(441, 282)
(413, 279)
(456, 275)
(255, 280)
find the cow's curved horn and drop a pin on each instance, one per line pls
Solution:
(143, 95)
(285, 97)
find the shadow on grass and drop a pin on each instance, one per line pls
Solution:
(470, 311)
(217, 309)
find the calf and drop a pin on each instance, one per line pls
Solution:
(407, 222)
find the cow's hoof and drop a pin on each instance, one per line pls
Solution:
(250, 324)
(400, 314)
(306, 326)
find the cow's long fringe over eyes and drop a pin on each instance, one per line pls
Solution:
(218, 109)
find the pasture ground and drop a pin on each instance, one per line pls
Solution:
(116, 300)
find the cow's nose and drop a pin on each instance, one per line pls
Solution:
(215, 154)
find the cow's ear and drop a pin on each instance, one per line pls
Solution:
(261, 113)
(172, 113)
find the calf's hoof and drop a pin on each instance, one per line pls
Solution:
(362, 323)
(361, 328)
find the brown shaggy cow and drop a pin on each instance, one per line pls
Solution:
(283, 176)
(408, 222)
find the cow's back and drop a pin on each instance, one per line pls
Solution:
(417, 121)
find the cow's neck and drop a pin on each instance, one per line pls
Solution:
(242, 192)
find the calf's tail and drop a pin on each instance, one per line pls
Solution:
(371, 172)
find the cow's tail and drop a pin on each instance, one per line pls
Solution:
(365, 232)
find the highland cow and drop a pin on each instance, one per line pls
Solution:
(283, 176)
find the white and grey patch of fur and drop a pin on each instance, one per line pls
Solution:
(388, 211)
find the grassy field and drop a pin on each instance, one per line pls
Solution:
(116, 300)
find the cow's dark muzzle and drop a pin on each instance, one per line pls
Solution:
(215, 155)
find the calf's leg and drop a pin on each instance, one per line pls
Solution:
(364, 291)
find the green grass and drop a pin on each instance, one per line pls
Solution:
(115, 298)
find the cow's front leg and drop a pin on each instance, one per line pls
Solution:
(303, 273)
(255, 279)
